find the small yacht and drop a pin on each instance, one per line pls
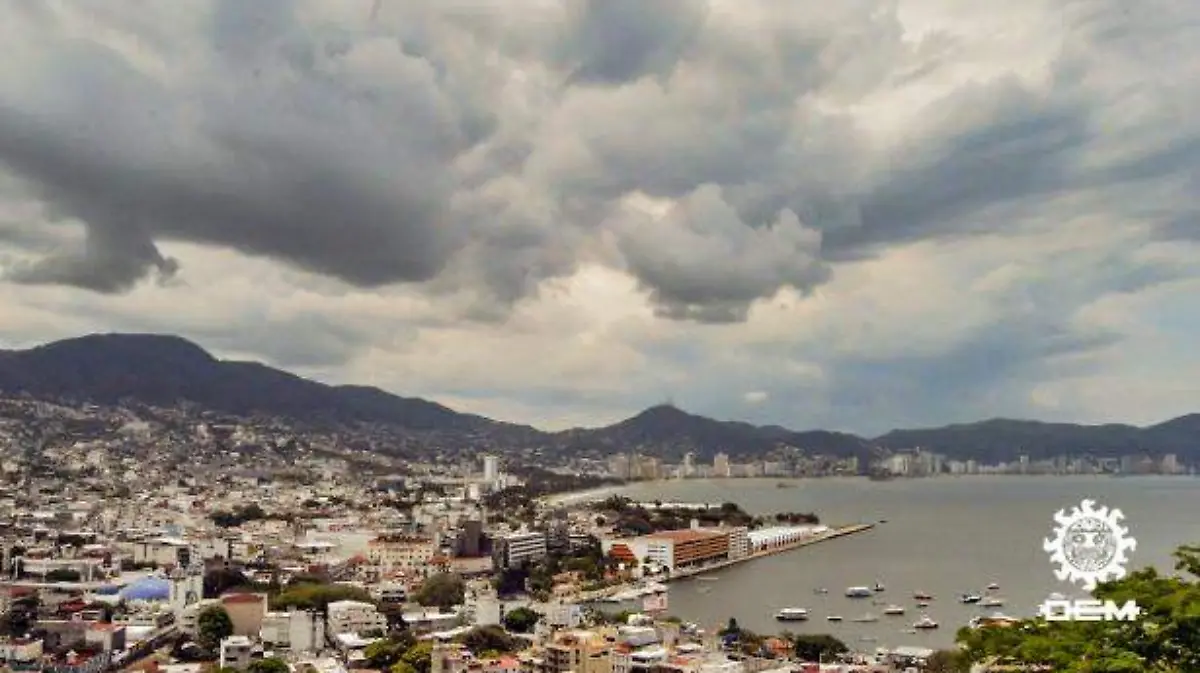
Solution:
(970, 598)
(922, 596)
(879, 586)
(833, 618)
(993, 587)
(867, 618)
(792, 615)
(893, 610)
(922, 604)
(925, 622)
(858, 592)
(992, 602)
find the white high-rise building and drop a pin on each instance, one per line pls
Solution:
(491, 469)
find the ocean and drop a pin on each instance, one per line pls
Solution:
(945, 536)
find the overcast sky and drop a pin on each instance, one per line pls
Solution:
(855, 215)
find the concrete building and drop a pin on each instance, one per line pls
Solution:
(235, 652)
(672, 549)
(408, 553)
(515, 549)
(721, 466)
(294, 630)
(491, 469)
(739, 542)
(355, 617)
(246, 611)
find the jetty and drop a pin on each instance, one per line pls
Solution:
(832, 533)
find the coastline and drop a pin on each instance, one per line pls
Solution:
(832, 534)
(687, 573)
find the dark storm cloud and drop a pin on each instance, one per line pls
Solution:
(427, 145)
(611, 42)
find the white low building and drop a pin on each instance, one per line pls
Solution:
(355, 617)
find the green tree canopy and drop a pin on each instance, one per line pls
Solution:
(268, 665)
(1164, 639)
(443, 590)
(318, 596)
(521, 620)
(817, 647)
(212, 626)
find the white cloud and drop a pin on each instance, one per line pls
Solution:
(857, 215)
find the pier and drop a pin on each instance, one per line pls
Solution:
(841, 531)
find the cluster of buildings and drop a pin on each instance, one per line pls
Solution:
(920, 463)
(634, 466)
(697, 547)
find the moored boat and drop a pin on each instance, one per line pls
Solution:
(792, 615)
(970, 598)
(925, 622)
(858, 592)
(893, 610)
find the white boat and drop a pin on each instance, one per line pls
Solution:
(792, 615)
(858, 592)
(925, 622)
(893, 610)
(970, 598)
(867, 618)
(992, 602)
(993, 587)
(879, 586)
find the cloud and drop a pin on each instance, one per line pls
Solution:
(872, 212)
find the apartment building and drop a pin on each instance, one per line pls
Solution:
(401, 552)
(355, 617)
(515, 549)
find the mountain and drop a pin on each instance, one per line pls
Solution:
(667, 431)
(1003, 439)
(167, 370)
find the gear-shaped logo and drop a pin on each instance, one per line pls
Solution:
(1089, 545)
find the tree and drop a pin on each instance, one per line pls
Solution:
(212, 626)
(419, 656)
(443, 590)
(809, 647)
(948, 661)
(402, 667)
(491, 639)
(521, 620)
(1165, 639)
(268, 665)
(217, 582)
(386, 653)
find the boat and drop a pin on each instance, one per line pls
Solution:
(892, 610)
(821, 590)
(858, 592)
(993, 587)
(970, 598)
(867, 618)
(922, 596)
(992, 602)
(833, 618)
(792, 615)
(1056, 597)
(925, 622)
(879, 586)
(922, 604)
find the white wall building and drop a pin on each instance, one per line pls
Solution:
(354, 617)
(235, 652)
(516, 548)
(295, 630)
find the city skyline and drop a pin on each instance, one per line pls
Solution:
(853, 217)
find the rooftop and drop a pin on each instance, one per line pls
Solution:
(688, 535)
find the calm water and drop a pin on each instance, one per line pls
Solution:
(946, 536)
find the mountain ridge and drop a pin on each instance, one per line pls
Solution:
(166, 370)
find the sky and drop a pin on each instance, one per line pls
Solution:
(853, 215)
